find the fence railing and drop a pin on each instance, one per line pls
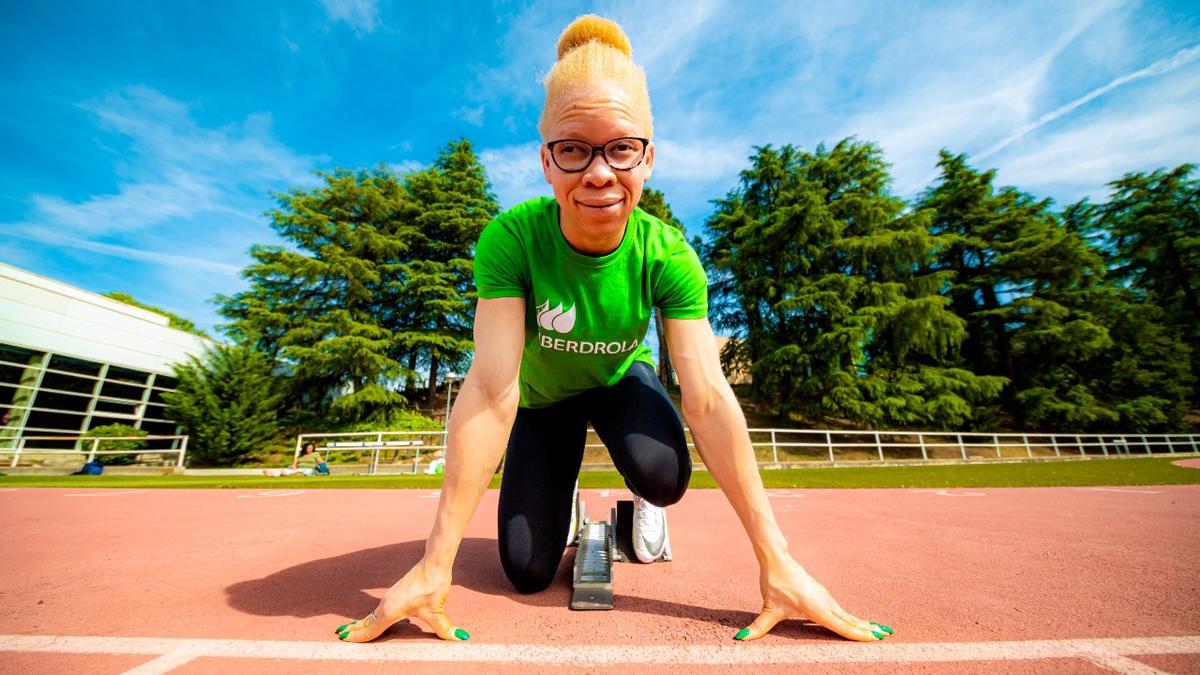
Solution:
(402, 450)
(389, 448)
(833, 446)
(89, 446)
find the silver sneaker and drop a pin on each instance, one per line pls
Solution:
(651, 540)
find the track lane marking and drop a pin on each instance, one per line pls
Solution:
(602, 655)
(163, 664)
(948, 493)
(107, 493)
(270, 494)
(1124, 664)
(1136, 492)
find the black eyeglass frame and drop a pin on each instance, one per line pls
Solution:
(598, 150)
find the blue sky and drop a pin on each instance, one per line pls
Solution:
(142, 140)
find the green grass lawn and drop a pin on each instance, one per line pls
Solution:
(1147, 471)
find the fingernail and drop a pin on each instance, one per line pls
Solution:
(741, 634)
(883, 628)
(878, 635)
(343, 636)
(461, 634)
(340, 628)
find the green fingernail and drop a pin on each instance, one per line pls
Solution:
(340, 628)
(461, 634)
(343, 636)
(741, 634)
(878, 635)
(883, 628)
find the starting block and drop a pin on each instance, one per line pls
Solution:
(601, 543)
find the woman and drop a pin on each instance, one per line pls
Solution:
(319, 467)
(566, 288)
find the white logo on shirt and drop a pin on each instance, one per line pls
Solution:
(556, 319)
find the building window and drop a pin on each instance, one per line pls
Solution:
(43, 396)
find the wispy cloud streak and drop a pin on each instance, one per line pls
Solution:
(1160, 67)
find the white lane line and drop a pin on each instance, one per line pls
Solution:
(603, 655)
(1139, 492)
(106, 493)
(163, 664)
(784, 493)
(9, 489)
(432, 495)
(947, 493)
(273, 493)
(1124, 664)
(618, 493)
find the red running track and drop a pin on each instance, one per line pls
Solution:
(988, 580)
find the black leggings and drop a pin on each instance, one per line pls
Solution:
(643, 433)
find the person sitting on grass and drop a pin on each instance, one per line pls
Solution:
(437, 464)
(309, 452)
(566, 288)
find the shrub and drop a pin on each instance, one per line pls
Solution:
(110, 430)
(228, 402)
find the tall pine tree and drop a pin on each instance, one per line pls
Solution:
(830, 279)
(1152, 223)
(375, 284)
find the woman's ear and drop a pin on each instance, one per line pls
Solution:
(649, 162)
(546, 163)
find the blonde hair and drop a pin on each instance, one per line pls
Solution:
(592, 50)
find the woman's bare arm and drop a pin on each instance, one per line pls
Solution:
(478, 431)
(719, 429)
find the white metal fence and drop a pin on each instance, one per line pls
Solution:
(89, 446)
(404, 451)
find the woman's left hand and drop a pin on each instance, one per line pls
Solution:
(789, 592)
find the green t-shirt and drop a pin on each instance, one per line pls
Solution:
(586, 315)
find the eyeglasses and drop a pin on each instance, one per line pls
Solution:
(622, 154)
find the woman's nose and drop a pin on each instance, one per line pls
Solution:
(598, 173)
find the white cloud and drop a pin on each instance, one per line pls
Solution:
(361, 15)
(699, 159)
(1160, 67)
(515, 172)
(406, 166)
(188, 196)
(52, 236)
(470, 115)
(1155, 126)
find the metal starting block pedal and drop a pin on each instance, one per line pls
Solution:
(602, 542)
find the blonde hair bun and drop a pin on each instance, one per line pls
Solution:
(590, 27)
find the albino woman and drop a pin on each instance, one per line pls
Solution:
(567, 286)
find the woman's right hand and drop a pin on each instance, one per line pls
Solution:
(420, 594)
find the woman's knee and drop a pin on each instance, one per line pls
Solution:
(664, 488)
(530, 563)
(528, 574)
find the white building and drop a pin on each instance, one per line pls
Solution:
(72, 360)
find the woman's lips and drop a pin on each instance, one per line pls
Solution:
(601, 205)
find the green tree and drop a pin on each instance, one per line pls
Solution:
(228, 402)
(317, 304)
(655, 203)
(829, 279)
(173, 320)
(1152, 225)
(375, 284)
(451, 203)
(1040, 310)
(1015, 270)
